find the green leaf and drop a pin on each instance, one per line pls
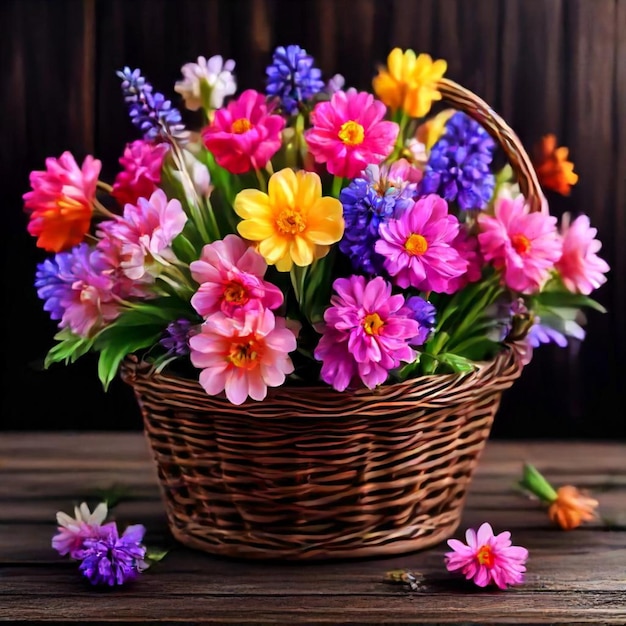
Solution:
(117, 341)
(456, 363)
(69, 349)
(566, 299)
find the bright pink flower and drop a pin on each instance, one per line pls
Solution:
(467, 247)
(581, 269)
(145, 233)
(524, 245)
(230, 274)
(243, 355)
(61, 201)
(348, 133)
(418, 246)
(367, 333)
(487, 558)
(74, 530)
(244, 136)
(142, 161)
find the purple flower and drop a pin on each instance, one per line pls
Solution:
(292, 77)
(424, 313)
(78, 289)
(176, 340)
(150, 112)
(111, 559)
(367, 333)
(458, 166)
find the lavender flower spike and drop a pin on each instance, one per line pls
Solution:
(150, 112)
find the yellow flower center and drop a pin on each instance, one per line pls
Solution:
(351, 133)
(245, 354)
(485, 556)
(241, 126)
(235, 293)
(372, 324)
(290, 222)
(416, 245)
(520, 243)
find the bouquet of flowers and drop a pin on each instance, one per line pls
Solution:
(313, 233)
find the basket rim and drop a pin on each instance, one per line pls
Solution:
(506, 364)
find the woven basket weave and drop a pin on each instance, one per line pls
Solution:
(311, 473)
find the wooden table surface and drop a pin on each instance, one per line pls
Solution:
(573, 577)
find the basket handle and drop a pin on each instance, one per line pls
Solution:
(468, 102)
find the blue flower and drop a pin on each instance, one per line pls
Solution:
(367, 201)
(150, 112)
(111, 559)
(458, 166)
(292, 77)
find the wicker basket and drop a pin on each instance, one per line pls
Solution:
(311, 473)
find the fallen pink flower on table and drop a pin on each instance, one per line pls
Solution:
(487, 558)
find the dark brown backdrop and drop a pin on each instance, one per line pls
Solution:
(546, 65)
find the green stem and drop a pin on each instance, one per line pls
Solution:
(533, 481)
(102, 210)
(337, 185)
(104, 186)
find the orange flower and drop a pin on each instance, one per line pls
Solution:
(572, 507)
(554, 171)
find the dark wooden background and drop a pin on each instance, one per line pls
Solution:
(546, 65)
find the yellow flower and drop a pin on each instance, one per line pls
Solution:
(292, 223)
(430, 131)
(409, 82)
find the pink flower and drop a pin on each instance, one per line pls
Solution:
(142, 162)
(467, 247)
(418, 246)
(348, 133)
(61, 201)
(145, 232)
(243, 355)
(524, 245)
(230, 273)
(487, 558)
(244, 136)
(74, 530)
(367, 333)
(581, 269)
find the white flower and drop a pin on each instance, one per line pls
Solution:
(82, 514)
(207, 82)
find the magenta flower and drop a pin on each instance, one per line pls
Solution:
(145, 232)
(74, 530)
(61, 201)
(418, 246)
(141, 162)
(367, 333)
(348, 133)
(244, 135)
(243, 355)
(524, 245)
(581, 269)
(487, 558)
(230, 274)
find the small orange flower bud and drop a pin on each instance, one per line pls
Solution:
(572, 507)
(554, 170)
